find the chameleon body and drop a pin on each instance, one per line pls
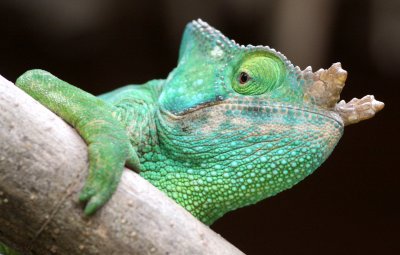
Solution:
(231, 125)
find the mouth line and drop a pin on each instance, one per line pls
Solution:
(261, 105)
(199, 107)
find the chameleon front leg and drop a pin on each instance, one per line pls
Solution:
(108, 143)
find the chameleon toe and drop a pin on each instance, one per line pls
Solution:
(94, 204)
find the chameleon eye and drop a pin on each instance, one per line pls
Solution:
(243, 78)
(257, 73)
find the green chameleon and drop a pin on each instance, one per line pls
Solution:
(231, 125)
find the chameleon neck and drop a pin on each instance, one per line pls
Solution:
(212, 167)
(138, 118)
(134, 108)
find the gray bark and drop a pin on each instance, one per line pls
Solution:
(43, 165)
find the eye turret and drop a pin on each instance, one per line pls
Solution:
(258, 73)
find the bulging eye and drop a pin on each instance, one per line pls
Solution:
(243, 78)
(258, 72)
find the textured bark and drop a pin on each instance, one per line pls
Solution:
(43, 165)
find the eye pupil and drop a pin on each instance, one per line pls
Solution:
(244, 77)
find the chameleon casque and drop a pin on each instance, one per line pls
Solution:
(231, 125)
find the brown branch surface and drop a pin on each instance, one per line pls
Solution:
(43, 165)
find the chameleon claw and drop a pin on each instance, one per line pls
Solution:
(94, 198)
(94, 203)
(86, 194)
(106, 162)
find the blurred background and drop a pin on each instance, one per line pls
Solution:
(351, 204)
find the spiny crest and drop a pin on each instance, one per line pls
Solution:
(206, 34)
(211, 37)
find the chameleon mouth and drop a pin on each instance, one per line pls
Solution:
(199, 107)
(253, 105)
(343, 113)
(281, 108)
(352, 112)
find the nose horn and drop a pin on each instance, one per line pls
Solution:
(323, 88)
(325, 85)
(357, 110)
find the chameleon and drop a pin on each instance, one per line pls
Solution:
(230, 126)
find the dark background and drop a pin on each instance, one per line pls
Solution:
(351, 204)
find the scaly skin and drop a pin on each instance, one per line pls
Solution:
(230, 126)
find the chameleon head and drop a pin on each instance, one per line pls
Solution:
(244, 123)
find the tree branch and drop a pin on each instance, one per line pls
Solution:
(43, 165)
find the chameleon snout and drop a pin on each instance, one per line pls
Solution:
(324, 87)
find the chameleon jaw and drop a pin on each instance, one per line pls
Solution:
(323, 88)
